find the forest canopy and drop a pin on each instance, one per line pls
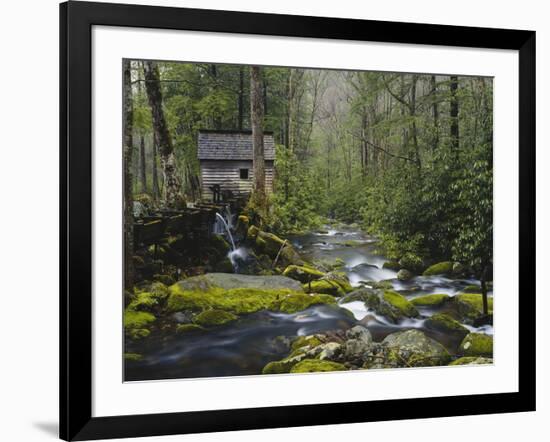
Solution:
(408, 157)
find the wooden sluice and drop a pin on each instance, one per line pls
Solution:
(193, 223)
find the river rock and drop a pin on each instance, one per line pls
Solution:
(360, 333)
(330, 350)
(412, 348)
(391, 305)
(302, 273)
(232, 281)
(404, 275)
(445, 324)
(441, 268)
(472, 360)
(477, 344)
(469, 306)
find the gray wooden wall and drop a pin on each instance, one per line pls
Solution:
(226, 173)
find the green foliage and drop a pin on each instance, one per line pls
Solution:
(316, 365)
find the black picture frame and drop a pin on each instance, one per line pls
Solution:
(76, 21)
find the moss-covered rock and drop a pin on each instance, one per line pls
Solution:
(252, 232)
(404, 275)
(400, 304)
(430, 300)
(382, 285)
(472, 360)
(136, 323)
(284, 365)
(188, 328)
(214, 317)
(243, 300)
(302, 341)
(132, 357)
(411, 262)
(302, 273)
(316, 365)
(333, 283)
(469, 306)
(441, 268)
(471, 288)
(391, 265)
(270, 243)
(445, 324)
(477, 344)
(412, 348)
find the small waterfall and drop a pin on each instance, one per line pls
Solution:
(224, 223)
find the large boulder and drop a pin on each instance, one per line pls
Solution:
(441, 268)
(232, 281)
(391, 305)
(469, 306)
(477, 344)
(434, 300)
(412, 348)
(303, 274)
(404, 275)
(443, 323)
(333, 283)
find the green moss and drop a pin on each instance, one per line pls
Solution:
(445, 324)
(282, 366)
(135, 319)
(391, 265)
(137, 333)
(335, 284)
(472, 288)
(214, 317)
(430, 300)
(144, 301)
(303, 273)
(400, 303)
(295, 302)
(316, 365)
(441, 268)
(302, 341)
(188, 328)
(132, 357)
(470, 305)
(382, 285)
(471, 360)
(477, 344)
(252, 232)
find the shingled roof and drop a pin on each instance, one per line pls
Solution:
(231, 145)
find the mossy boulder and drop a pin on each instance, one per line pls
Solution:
(188, 328)
(477, 344)
(412, 348)
(302, 273)
(391, 265)
(472, 360)
(382, 285)
(137, 323)
(269, 243)
(316, 365)
(400, 303)
(445, 324)
(404, 275)
(469, 306)
(132, 357)
(411, 262)
(303, 341)
(220, 292)
(333, 283)
(392, 305)
(360, 294)
(214, 317)
(284, 365)
(434, 300)
(441, 268)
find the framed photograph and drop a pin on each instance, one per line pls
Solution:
(272, 221)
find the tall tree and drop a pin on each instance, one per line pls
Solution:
(257, 119)
(128, 197)
(156, 189)
(454, 115)
(240, 100)
(142, 163)
(172, 186)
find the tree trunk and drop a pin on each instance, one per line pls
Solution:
(435, 113)
(241, 98)
(484, 291)
(156, 189)
(172, 197)
(454, 116)
(257, 119)
(142, 165)
(128, 197)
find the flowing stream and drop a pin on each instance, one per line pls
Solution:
(245, 346)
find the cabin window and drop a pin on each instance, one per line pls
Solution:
(244, 174)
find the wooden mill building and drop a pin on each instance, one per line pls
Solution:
(225, 158)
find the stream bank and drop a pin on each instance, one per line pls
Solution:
(346, 311)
